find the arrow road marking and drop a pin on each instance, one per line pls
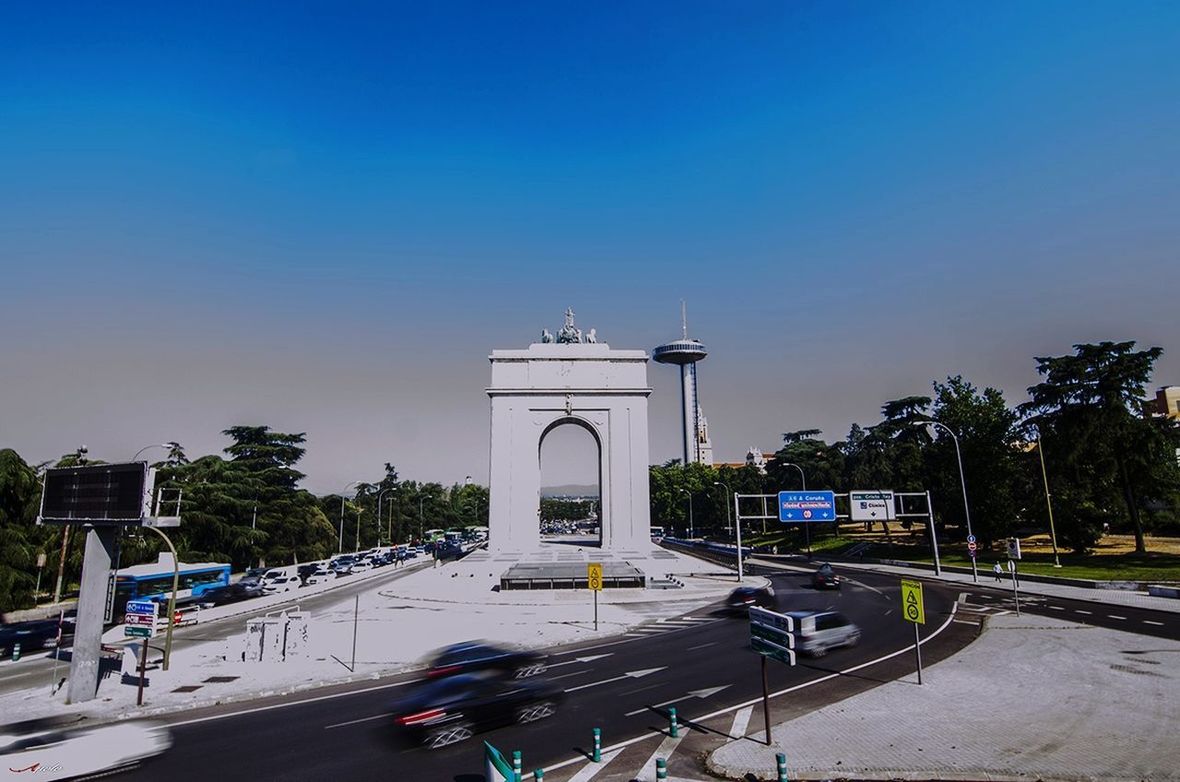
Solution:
(627, 675)
(705, 693)
(588, 659)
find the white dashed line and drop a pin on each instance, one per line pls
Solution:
(1116, 616)
(1057, 608)
(1080, 611)
(1150, 622)
(741, 721)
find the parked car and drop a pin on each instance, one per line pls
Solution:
(362, 566)
(818, 631)
(481, 656)
(743, 597)
(449, 710)
(321, 576)
(281, 584)
(242, 590)
(825, 578)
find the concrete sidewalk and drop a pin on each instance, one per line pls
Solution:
(1034, 697)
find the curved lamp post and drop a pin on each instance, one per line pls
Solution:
(806, 525)
(690, 524)
(962, 482)
(340, 547)
(168, 445)
(379, 496)
(1048, 502)
(171, 598)
(737, 525)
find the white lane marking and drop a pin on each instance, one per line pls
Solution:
(1150, 622)
(965, 622)
(866, 586)
(1116, 616)
(1060, 608)
(665, 750)
(293, 703)
(705, 693)
(741, 721)
(588, 771)
(1080, 611)
(962, 598)
(700, 646)
(627, 675)
(588, 659)
(567, 675)
(752, 703)
(353, 722)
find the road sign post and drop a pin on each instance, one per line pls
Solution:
(913, 610)
(771, 635)
(594, 581)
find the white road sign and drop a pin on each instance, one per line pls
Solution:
(871, 506)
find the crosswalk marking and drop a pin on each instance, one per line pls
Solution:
(588, 771)
(665, 750)
(741, 720)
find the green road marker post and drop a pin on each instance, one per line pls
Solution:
(539, 774)
(598, 745)
(16, 652)
(661, 769)
(517, 766)
(781, 760)
(673, 725)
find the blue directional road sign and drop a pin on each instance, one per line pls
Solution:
(796, 506)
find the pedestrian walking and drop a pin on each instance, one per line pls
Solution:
(998, 572)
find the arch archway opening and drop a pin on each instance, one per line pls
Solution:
(570, 500)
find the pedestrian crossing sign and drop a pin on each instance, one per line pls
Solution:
(912, 609)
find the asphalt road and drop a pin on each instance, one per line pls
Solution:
(701, 663)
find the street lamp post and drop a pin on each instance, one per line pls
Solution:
(962, 482)
(728, 517)
(171, 598)
(340, 547)
(1048, 502)
(691, 529)
(169, 446)
(379, 496)
(737, 524)
(806, 525)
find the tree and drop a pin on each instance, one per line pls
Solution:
(19, 491)
(1105, 453)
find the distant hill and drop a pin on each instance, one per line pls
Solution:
(570, 490)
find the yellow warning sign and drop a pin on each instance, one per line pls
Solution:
(594, 575)
(912, 609)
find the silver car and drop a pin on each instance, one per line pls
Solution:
(818, 631)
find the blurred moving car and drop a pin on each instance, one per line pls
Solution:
(33, 634)
(455, 708)
(819, 631)
(242, 590)
(59, 748)
(745, 596)
(483, 657)
(825, 578)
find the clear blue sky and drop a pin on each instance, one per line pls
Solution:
(324, 217)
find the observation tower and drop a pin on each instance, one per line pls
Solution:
(686, 353)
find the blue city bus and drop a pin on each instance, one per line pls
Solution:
(154, 582)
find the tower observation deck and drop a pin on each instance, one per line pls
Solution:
(686, 353)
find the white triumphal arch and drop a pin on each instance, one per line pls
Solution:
(570, 378)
